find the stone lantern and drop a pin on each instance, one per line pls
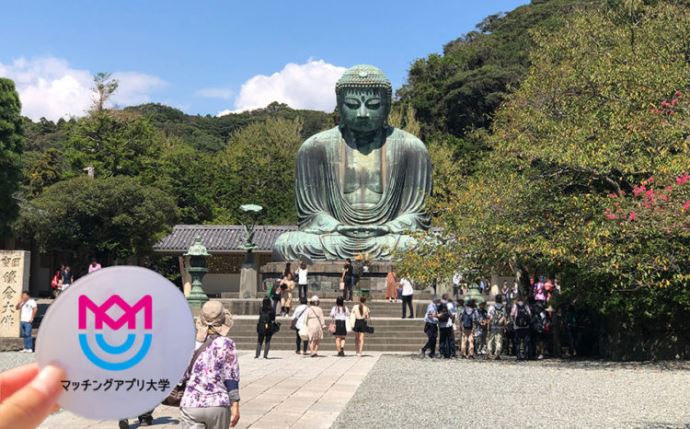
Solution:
(198, 267)
(474, 293)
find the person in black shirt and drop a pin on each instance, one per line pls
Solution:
(264, 327)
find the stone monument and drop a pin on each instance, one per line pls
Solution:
(248, 273)
(14, 279)
(361, 186)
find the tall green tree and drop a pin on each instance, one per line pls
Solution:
(11, 147)
(104, 86)
(587, 174)
(259, 167)
(114, 143)
(115, 216)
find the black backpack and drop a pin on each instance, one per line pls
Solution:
(522, 319)
(467, 322)
(498, 320)
(443, 315)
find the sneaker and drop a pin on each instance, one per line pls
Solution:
(422, 353)
(540, 357)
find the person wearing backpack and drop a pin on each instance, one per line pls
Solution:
(264, 327)
(521, 315)
(541, 326)
(480, 329)
(497, 323)
(468, 318)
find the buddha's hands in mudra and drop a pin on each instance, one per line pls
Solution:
(362, 231)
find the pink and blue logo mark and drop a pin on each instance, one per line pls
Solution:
(128, 321)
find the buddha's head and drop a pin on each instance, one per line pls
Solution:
(364, 98)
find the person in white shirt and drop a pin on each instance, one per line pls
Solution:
(457, 279)
(296, 326)
(28, 309)
(302, 280)
(407, 292)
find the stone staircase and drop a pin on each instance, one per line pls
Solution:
(390, 335)
(391, 332)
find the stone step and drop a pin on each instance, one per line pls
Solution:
(322, 294)
(242, 321)
(378, 308)
(371, 339)
(390, 335)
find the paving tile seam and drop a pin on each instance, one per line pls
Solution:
(295, 371)
(266, 389)
(335, 362)
(333, 384)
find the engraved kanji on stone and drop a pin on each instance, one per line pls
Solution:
(10, 277)
(8, 293)
(5, 261)
(7, 319)
(15, 261)
(7, 307)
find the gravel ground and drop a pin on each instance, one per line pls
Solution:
(13, 359)
(408, 392)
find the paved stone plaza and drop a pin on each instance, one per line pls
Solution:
(399, 391)
(404, 392)
(285, 390)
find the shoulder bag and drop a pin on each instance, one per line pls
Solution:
(175, 396)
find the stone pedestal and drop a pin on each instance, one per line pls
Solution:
(14, 278)
(248, 281)
(324, 276)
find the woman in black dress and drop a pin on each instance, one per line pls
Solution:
(338, 327)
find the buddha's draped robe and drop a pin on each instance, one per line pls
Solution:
(401, 182)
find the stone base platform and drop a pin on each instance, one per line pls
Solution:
(324, 276)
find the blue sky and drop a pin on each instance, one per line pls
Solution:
(197, 55)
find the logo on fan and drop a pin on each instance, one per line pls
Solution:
(109, 356)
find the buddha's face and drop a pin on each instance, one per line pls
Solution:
(364, 110)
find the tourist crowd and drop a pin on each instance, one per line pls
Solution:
(525, 327)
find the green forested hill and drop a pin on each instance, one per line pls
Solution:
(211, 133)
(459, 91)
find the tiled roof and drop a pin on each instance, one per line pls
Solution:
(220, 238)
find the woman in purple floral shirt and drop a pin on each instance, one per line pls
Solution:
(212, 397)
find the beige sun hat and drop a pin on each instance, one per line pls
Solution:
(213, 319)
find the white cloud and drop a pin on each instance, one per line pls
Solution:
(222, 93)
(48, 87)
(301, 86)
